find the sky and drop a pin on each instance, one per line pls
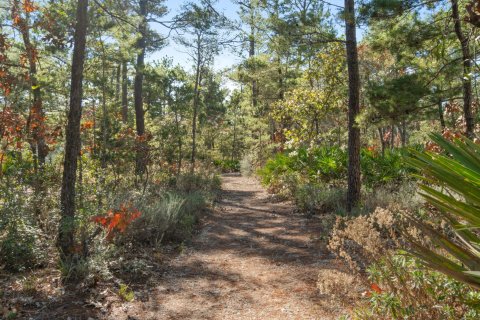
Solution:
(226, 59)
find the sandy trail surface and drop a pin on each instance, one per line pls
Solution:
(254, 258)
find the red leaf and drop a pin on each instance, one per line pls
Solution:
(376, 288)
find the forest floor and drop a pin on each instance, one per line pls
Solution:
(253, 257)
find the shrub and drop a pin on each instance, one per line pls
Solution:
(247, 165)
(339, 284)
(227, 166)
(171, 216)
(451, 184)
(403, 195)
(404, 289)
(186, 183)
(397, 286)
(156, 218)
(275, 169)
(380, 170)
(193, 207)
(328, 166)
(364, 239)
(319, 198)
(20, 246)
(126, 293)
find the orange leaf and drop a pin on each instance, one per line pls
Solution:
(376, 288)
(28, 6)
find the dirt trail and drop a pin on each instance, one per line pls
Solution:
(254, 259)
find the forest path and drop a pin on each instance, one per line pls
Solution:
(253, 259)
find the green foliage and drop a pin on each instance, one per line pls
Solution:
(379, 170)
(227, 166)
(171, 215)
(196, 182)
(451, 183)
(397, 98)
(20, 247)
(126, 293)
(405, 290)
(328, 165)
(320, 198)
(157, 217)
(21, 240)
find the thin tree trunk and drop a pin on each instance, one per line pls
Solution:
(105, 120)
(179, 141)
(66, 230)
(251, 54)
(467, 69)
(382, 142)
(196, 100)
(138, 93)
(124, 92)
(403, 133)
(354, 183)
(37, 114)
(440, 114)
(234, 142)
(36, 119)
(392, 137)
(118, 84)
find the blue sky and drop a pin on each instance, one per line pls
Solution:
(225, 59)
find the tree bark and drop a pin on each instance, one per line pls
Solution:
(382, 141)
(251, 54)
(354, 183)
(66, 230)
(138, 93)
(440, 114)
(467, 69)
(37, 115)
(403, 133)
(124, 92)
(118, 84)
(392, 137)
(196, 101)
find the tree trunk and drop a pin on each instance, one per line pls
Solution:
(392, 137)
(179, 138)
(124, 92)
(382, 141)
(118, 84)
(251, 54)
(105, 120)
(467, 69)
(196, 100)
(354, 183)
(66, 230)
(138, 93)
(440, 114)
(403, 133)
(37, 115)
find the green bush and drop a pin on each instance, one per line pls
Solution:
(157, 217)
(328, 166)
(247, 165)
(186, 183)
(20, 247)
(194, 206)
(406, 290)
(388, 169)
(227, 166)
(319, 198)
(171, 216)
(451, 184)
